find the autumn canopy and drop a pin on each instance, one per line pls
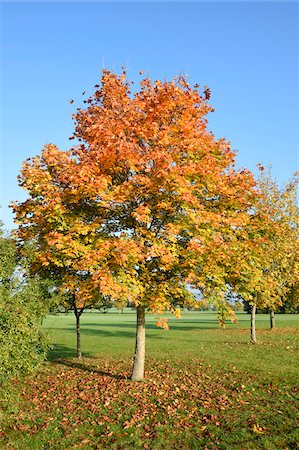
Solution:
(147, 204)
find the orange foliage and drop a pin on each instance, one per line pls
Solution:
(147, 202)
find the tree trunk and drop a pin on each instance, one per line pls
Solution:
(78, 315)
(138, 367)
(272, 320)
(253, 335)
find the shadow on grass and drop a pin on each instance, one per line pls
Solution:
(149, 325)
(98, 332)
(128, 331)
(85, 367)
(66, 356)
(59, 351)
(154, 332)
(86, 331)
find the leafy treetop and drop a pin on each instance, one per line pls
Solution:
(146, 204)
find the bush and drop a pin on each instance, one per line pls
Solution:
(23, 344)
(23, 304)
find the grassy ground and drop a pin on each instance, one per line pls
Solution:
(205, 388)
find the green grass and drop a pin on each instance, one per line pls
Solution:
(195, 335)
(205, 387)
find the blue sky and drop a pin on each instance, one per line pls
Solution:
(246, 52)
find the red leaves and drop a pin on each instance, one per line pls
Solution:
(207, 93)
(93, 403)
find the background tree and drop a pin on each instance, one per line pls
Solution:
(78, 296)
(271, 250)
(281, 205)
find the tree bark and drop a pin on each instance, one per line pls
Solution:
(272, 320)
(138, 366)
(78, 332)
(252, 329)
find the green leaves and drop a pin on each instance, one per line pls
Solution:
(23, 304)
(23, 344)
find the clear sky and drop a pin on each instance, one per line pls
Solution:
(246, 52)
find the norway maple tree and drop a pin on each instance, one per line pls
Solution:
(269, 272)
(148, 203)
(281, 252)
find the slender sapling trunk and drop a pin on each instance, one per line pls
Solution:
(272, 320)
(138, 366)
(253, 334)
(78, 332)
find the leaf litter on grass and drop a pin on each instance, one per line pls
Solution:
(92, 403)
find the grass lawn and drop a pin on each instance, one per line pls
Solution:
(205, 387)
